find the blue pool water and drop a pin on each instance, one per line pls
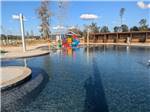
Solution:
(93, 79)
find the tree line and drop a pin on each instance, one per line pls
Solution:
(94, 28)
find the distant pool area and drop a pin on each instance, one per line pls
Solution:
(103, 78)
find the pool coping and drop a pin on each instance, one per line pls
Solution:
(21, 76)
(24, 93)
(23, 55)
(123, 44)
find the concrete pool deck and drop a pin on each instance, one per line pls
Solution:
(11, 75)
(14, 55)
(14, 98)
(16, 52)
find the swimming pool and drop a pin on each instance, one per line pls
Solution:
(92, 79)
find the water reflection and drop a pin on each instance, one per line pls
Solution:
(91, 50)
(128, 49)
(102, 48)
(87, 54)
(70, 52)
(25, 62)
(15, 62)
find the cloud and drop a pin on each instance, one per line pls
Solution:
(58, 27)
(148, 5)
(38, 27)
(142, 5)
(89, 16)
(72, 27)
(17, 17)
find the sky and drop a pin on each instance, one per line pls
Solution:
(107, 12)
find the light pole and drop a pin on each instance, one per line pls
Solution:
(88, 35)
(22, 31)
(21, 18)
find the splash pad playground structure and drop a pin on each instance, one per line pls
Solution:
(69, 40)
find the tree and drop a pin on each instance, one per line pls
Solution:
(94, 28)
(44, 14)
(134, 28)
(27, 34)
(116, 29)
(31, 33)
(76, 30)
(104, 29)
(84, 33)
(124, 28)
(143, 25)
(122, 10)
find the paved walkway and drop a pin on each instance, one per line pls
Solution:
(16, 52)
(12, 74)
(32, 53)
